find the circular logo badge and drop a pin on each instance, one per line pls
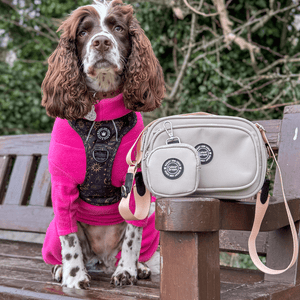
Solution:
(103, 133)
(205, 153)
(172, 168)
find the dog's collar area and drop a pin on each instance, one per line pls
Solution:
(106, 95)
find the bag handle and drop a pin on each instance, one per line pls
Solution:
(260, 211)
(142, 203)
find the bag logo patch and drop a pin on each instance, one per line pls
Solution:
(205, 153)
(172, 168)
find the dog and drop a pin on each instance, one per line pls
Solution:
(100, 78)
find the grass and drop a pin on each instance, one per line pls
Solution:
(238, 260)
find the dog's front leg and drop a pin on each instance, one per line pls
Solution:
(74, 274)
(126, 272)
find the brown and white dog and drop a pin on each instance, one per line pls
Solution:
(102, 48)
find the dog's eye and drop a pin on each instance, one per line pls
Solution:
(118, 28)
(82, 33)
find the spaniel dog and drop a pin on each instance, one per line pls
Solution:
(101, 76)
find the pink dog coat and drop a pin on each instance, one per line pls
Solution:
(67, 165)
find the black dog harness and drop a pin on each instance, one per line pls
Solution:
(101, 142)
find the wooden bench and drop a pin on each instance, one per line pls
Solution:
(193, 231)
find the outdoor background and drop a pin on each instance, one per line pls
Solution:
(234, 57)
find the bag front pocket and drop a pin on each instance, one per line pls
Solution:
(173, 170)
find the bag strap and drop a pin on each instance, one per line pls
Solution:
(260, 211)
(142, 203)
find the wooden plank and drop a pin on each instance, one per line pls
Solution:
(4, 172)
(19, 183)
(237, 241)
(240, 276)
(42, 184)
(279, 254)
(175, 214)
(25, 218)
(21, 249)
(238, 215)
(259, 291)
(189, 266)
(40, 290)
(292, 109)
(31, 273)
(26, 144)
(272, 128)
(289, 156)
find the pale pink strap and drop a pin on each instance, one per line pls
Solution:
(142, 203)
(260, 211)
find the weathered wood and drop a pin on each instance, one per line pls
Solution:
(19, 183)
(4, 173)
(190, 266)
(27, 144)
(195, 214)
(272, 128)
(237, 241)
(31, 277)
(279, 254)
(25, 218)
(42, 184)
(236, 215)
(289, 155)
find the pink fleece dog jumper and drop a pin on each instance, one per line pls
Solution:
(68, 165)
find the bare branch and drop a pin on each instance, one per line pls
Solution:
(277, 62)
(197, 11)
(228, 33)
(186, 59)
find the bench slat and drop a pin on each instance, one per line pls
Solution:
(25, 218)
(27, 144)
(42, 184)
(4, 164)
(237, 241)
(19, 180)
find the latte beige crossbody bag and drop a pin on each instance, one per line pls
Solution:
(207, 155)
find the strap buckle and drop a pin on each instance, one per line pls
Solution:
(127, 186)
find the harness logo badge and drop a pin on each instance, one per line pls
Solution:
(172, 168)
(103, 134)
(205, 153)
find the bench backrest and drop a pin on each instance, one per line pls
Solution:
(25, 202)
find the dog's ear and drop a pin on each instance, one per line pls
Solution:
(144, 86)
(64, 89)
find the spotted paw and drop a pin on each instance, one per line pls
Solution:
(57, 273)
(143, 271)
(77, 278)
(123, 278)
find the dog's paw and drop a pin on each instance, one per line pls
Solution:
(57, 273)
(143, 271)
(124, 276)
(77, 278)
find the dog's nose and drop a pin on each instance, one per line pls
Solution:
(102, 43)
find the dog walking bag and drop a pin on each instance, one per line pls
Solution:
(205, 155)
